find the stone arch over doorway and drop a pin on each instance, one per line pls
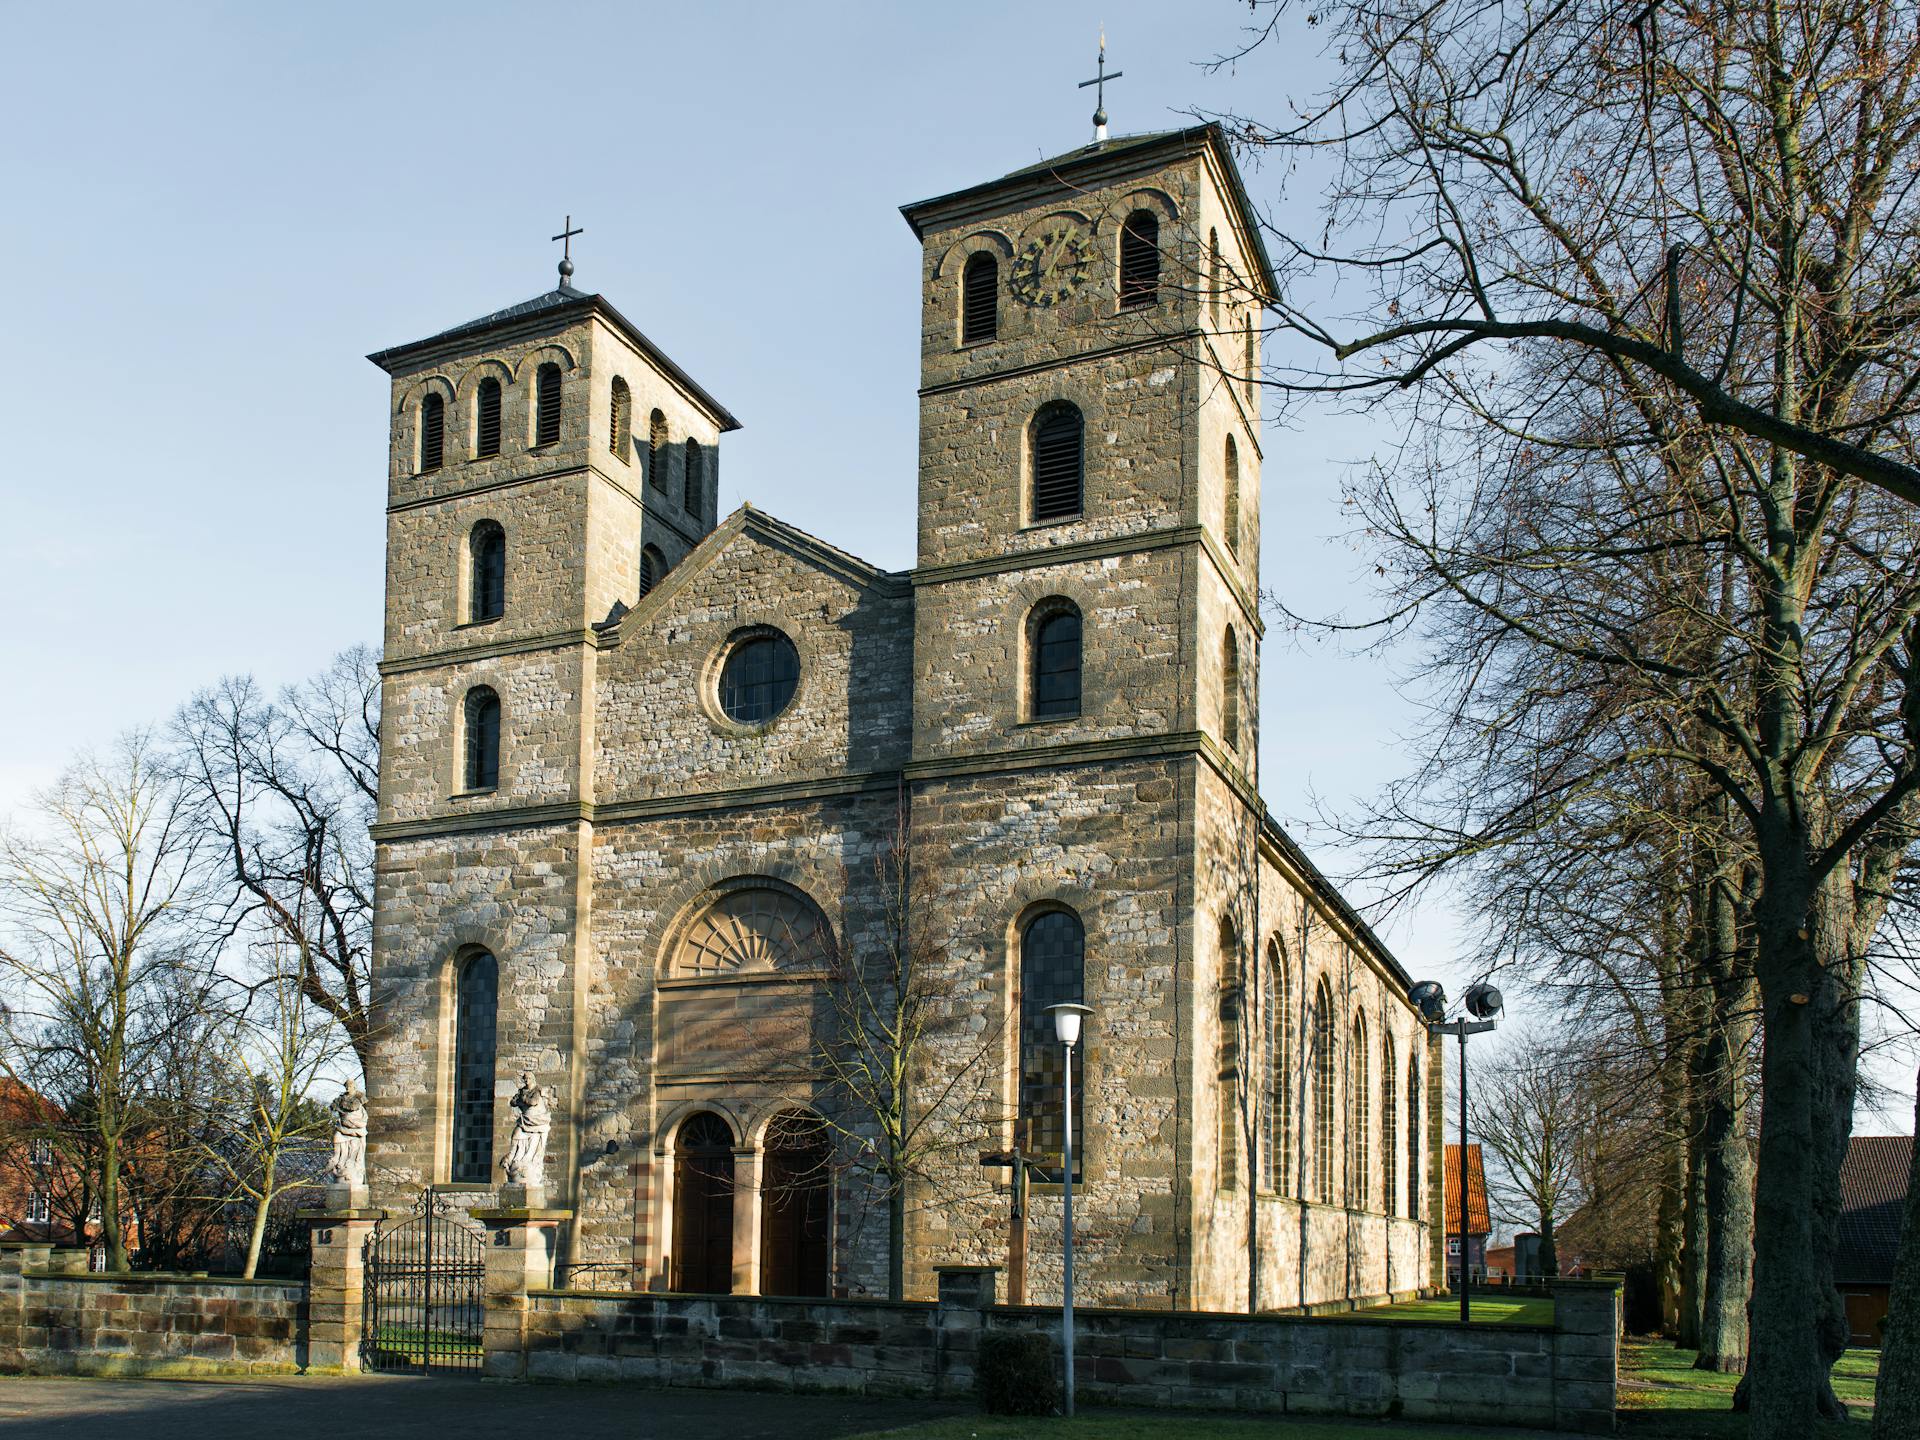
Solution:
(703, 1196)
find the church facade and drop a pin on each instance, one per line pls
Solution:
(660, 790)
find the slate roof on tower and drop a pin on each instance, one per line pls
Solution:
(555, 305)
(1069, 173)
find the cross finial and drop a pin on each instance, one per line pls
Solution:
(1100, 94)
(565, 237)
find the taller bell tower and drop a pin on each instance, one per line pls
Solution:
(1090, 449)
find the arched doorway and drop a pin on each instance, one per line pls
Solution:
(795, 1211)
(703, 1206)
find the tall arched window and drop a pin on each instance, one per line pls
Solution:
(653, 565)
(1321, 1027)
(1414, 1192)
(979, 298)
(487, 561)
(1389, 1130)
(1056, 449)
(1252, 361)
(703, 1206)
(1230, 689)
(1275, 1166)
(1228, 1057)
(690, 484)
(1232, 518)
(476, 993)
(657, 450)
(433, 432)
(1053, 971)
(1139, 260)
(483, 738)
(486, 419)
(1213, 275)
(1359, 1093)
(620, 426)
(546, 405)
(1054, 661)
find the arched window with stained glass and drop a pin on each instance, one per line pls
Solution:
(1053, 971)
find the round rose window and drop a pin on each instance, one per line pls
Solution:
(758, 679)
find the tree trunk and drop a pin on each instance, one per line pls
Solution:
(1896, 1398)
(1729, 1157)
(110, 1234)
(1696, 1219)
(256, 1235)
(896, 1239)
(1670, 1223)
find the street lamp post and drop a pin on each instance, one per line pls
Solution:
(1483, 1002)
(1066, 1027)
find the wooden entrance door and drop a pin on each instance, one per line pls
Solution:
(703, 1206)
(795, 1213)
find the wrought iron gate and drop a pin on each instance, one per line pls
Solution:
(425, 1292)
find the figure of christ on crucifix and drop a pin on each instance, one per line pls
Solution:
(1019, 1161)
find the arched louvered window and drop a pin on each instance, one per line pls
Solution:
(433, 432)
(546, 405)
(653, 565)
(1252, 359)
(1230, 689)
(979, 298)
(691, 482)
(1056, 447)
(476, 995)
(1053, 971)
(620, 426)
(1389, 1131)
(1055, 662)
(1232, 521)
(1275, 1162)
(1213, 275)
(487, 547)
(486, 419)
(483, 738)
(1323, 1032)
(657, 450)
(1139, 260)
(1227, 1058)
(1414, 1192)
(1358, 1092)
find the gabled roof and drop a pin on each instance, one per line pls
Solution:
(1873, 1194)
(751, 520)
(1070, 172)
(1479, 1218)
(557, 306)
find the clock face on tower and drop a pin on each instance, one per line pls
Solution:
(1053, 265)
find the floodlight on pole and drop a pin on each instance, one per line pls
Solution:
(1483, 1002)
(1066, 1029)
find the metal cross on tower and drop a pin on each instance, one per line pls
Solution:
(565, 237)
(1100, 93)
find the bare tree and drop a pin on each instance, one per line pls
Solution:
(104, 907)
(289, 788)
(1530, 1111)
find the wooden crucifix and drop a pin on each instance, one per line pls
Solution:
(1018, 1162)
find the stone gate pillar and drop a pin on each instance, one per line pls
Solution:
(522, 1236)
(336, 1278)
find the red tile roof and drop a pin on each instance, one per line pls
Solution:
(1873, 1192)
(1479, 1219)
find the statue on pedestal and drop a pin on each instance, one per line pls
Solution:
(349, 1164)
(526, 1160)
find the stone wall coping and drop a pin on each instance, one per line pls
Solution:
(162, 1278)
(519, 1214)
(1603, 1282)
(797, 1301)
(340, 1217)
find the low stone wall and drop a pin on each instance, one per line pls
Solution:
(55, 1318)
(1561, 1376)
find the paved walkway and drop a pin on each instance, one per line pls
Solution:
(394, 1407)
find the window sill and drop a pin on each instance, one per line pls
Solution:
(1053, 520)
(480, 624)
(1033, 721)
(976, 344)
(476, 794)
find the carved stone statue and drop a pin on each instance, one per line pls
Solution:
(526, 1160)
(349, 1165)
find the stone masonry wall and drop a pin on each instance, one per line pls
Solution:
(55, 1322)
(1562, 1376)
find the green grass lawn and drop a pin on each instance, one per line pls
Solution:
(1662, 1395)
(1175, 1426)
(1522, 1311)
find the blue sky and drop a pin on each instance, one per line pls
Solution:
(215, 212)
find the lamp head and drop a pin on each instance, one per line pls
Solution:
(1483, 1001)
(1429, 997)
(1066, 1021)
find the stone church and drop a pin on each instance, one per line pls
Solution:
(655, 782)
